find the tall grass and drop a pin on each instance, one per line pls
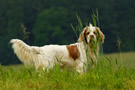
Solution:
(79, 28)
(106, 75)
(25, 33)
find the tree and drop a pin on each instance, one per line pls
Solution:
(51, 27)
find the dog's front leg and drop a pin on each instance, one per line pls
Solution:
(80, 67)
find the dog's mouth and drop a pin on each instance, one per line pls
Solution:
(92, 41)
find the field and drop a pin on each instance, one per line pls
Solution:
(113, 71)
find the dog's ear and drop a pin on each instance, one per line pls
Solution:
(100, 35)
(83, 35)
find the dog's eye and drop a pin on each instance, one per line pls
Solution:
(94, 32)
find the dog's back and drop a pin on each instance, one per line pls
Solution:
(39, 56)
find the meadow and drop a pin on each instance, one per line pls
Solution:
(113, 71)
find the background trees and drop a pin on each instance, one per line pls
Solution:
(51, 26)
(49, 22)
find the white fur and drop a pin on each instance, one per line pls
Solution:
(91, 28)
(48, 55)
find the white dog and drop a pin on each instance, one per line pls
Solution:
(73, 55)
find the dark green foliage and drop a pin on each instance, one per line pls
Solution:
(51, 26)
(49, 22)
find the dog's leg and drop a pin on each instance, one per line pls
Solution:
(80, 67)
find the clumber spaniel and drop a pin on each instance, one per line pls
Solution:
(72, 56)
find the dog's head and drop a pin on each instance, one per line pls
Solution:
(91, 34)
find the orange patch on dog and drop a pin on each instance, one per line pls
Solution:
(73, 51)
(83, 35)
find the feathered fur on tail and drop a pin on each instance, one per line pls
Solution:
(24, 52)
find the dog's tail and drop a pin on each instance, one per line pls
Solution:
(24, 52)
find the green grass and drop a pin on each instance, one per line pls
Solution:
(108, 74)
(127, 59)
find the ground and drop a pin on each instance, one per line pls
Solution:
(113, 71)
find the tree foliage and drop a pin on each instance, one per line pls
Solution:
(51, 26)
(49, 22)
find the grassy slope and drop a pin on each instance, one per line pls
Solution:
(106, 75)
(127, 59)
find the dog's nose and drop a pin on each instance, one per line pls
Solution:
(92, 36)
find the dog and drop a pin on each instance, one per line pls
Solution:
(72, 56)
